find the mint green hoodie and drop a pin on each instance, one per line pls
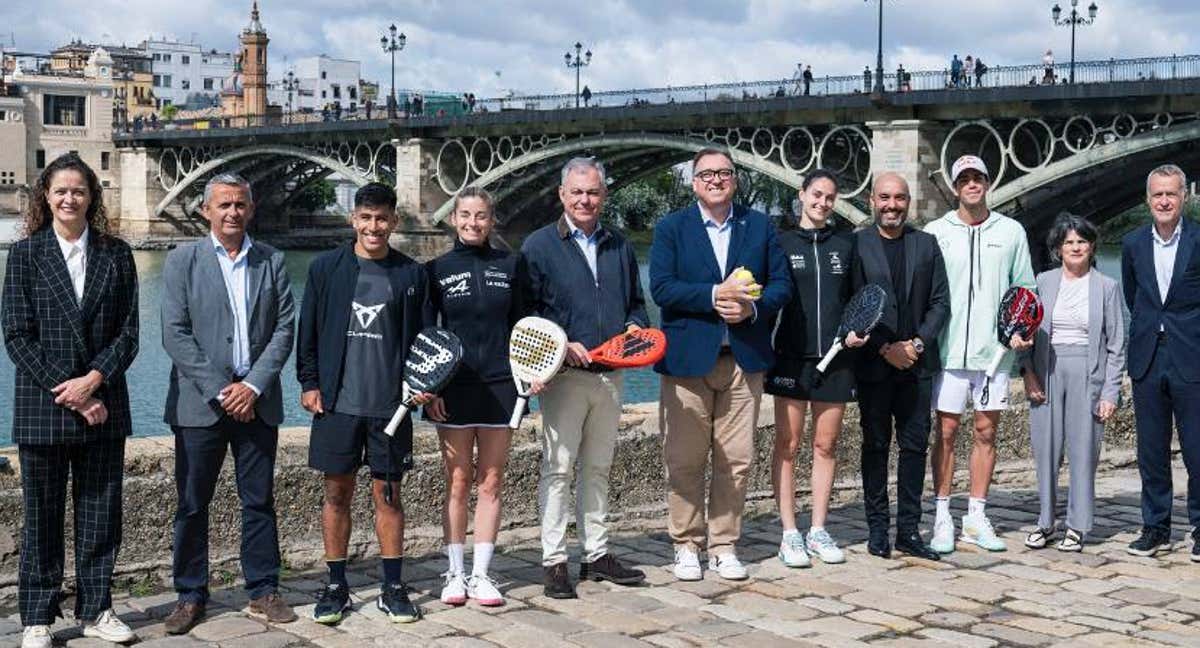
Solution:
(982, 262)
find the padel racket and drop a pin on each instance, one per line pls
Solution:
(640, 348)
(1020, 313)
(537, 348)
(433, 358)
(861, 315)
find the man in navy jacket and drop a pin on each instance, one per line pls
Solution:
(1160, 274)
(718, 331)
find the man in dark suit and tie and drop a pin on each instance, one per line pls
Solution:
(227, 322)
(896, 367)
(1160, 274)
(718, 331)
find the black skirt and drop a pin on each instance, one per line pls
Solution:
(797, 378)
(474, 404)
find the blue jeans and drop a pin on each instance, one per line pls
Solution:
(199, 453)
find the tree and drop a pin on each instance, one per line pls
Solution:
(316, 196)
(169, 112)
(638, 205)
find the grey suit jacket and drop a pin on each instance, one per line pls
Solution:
(197, 330)
(1106, 335)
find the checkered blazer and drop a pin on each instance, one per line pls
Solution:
(52, 338)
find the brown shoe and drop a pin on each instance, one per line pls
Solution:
(184, 617)
(273, 608)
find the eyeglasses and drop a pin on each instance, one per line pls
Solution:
(708, 175)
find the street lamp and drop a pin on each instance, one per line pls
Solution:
(1074, 19)
(392, 45)
(291, 84)
(578, 62)
(879, 54)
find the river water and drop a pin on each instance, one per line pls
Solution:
(149, 374)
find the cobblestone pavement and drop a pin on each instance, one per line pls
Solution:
(1102, 597)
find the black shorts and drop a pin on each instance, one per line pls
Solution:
(340, 443)
(797, 378)
(488, 404)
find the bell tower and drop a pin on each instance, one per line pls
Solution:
(254, 65)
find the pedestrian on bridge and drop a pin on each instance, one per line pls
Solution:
(808, 79)
(70, 318)
(584, 277)
(718, 327)
(956, 68)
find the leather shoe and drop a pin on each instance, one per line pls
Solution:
(912, 544)
(273, 608)
(878, 545)
(557, 582)
(608, 568)
(184, 617)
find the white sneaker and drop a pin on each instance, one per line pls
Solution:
(943, 536)
(791, 550)
(823, 546)
(687, 565)
(977, 530)
(109, 628)
(728, 566)
(454, 588)
(483, 589)
(37, 636)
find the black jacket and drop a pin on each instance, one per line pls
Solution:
(479, 292)
(928, 298)
(325, 316)
(820, 262)
(562, 289)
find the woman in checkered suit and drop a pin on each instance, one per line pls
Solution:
(70, 321)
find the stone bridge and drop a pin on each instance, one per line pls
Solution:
(1083, 148)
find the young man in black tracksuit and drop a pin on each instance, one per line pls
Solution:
(363, 306)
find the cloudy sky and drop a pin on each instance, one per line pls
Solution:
(491, 47)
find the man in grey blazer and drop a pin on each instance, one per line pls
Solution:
(227, 323)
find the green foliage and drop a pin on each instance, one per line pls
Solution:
(638, 205)
(766, 194)
(316, 196)
(1115, 228)
(169, 112)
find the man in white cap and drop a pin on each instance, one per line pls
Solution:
(985, 253)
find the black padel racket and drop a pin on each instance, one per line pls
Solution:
(861, 315)
(432, 360)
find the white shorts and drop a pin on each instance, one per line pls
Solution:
(953, 386)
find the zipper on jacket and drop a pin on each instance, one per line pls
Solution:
(817, 269)
(477, 270)
(970, 291)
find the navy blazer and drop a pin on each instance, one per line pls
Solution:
(683, 271)
(51, 337)
(1177, 315)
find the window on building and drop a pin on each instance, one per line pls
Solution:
(322, 74)
(63, 110)
(166, 58)
(337, 91)
(353, 93)
(166, 80)
(157, 57)
(186, 84)
(3, 115)
(208, 83)
(157, 80)
(322, 94)
(185, 59)
(40, 158)
(105, 160)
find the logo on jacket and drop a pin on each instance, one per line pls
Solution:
(457, 289)
(835, 262)
(797, 261)
(366, 314)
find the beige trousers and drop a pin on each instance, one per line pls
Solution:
(580, 413)
(714, 414)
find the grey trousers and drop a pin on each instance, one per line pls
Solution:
(1066, 418)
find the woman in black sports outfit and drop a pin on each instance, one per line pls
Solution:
(819, 256)
(479, 293)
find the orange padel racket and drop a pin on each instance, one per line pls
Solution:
(639, 348)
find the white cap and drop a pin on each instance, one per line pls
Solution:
(967, 162)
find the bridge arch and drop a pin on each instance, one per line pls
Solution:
(648, 142)
(226, 157)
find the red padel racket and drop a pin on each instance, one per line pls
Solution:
(640, 348)
(1020, 313)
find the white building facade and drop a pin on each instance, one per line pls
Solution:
(324, 81)
(187, 75)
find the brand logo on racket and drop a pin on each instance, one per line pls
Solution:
(429, 360)
(366, 314)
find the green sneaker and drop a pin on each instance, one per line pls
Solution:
(977, 530)
(332, 605)
(395, 604)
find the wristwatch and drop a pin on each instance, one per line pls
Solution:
(918, 345)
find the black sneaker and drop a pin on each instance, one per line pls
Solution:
(557, 582)
(334, 601)
(395, 604)
(1152, 541)
(608, 568)
(1196, 544)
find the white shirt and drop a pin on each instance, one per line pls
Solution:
(237, 288)
(75, 254)
(1069, 321)
(587, 244)
(719, 236)
(1164, 257)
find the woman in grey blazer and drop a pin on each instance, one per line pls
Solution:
(1072, 377)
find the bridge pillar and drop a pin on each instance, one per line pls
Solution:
(140, 194)
(912, 148)
(418, 195)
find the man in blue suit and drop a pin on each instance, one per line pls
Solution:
(1160, 274)
(718, 346)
